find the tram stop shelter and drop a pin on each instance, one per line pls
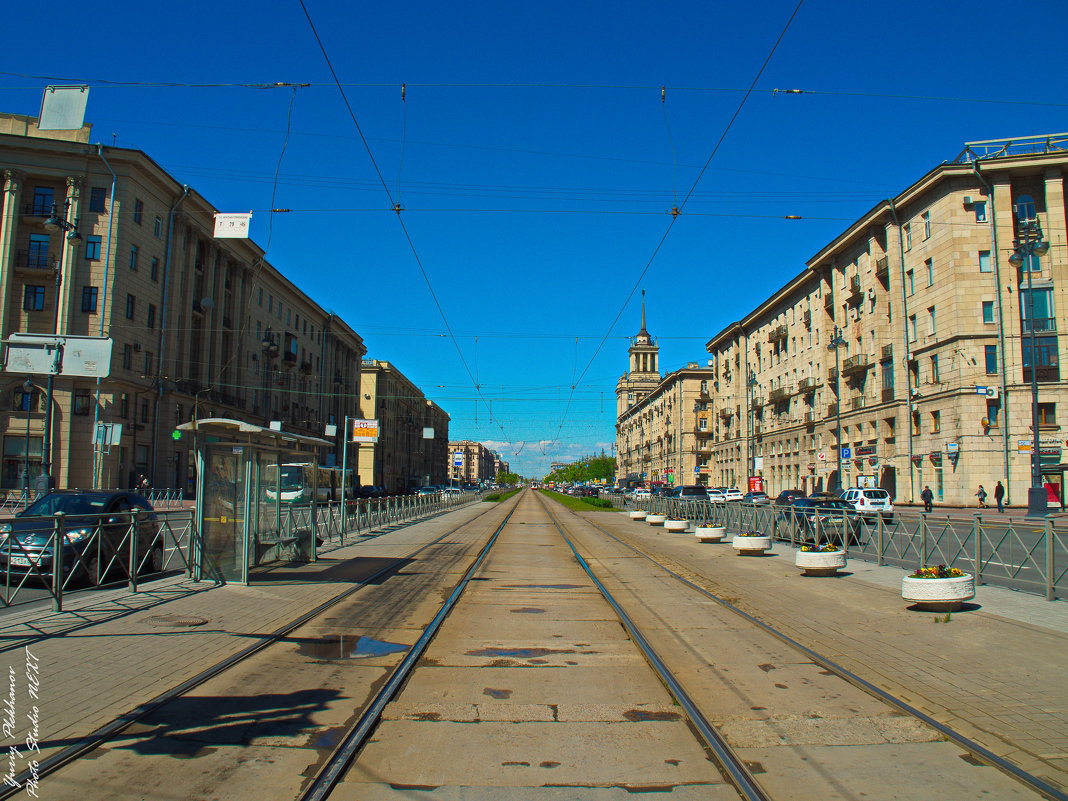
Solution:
(256, 497)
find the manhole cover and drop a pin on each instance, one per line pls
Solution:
(176, 621)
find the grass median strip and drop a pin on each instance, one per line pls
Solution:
(500, 496)
(582, 504)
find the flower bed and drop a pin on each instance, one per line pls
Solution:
(751, 543)
(938, 589)
(655, 520)
(820, 560)
(638, 514)
(676, 525)
(710, 533)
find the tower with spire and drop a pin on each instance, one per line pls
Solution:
(643, 373)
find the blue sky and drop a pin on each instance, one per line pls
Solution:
(537, 164)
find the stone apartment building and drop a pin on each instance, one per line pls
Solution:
(663, 424)
(932, 327)
(472, 462)
(403, 458)
(100, 241)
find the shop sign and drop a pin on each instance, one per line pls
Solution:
(1046, 447)
(865, 450)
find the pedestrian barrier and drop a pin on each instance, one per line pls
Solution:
(1021, 554)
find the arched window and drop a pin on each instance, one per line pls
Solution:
(1025, 209)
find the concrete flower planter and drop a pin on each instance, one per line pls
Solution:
(710, 533)
(676, 525)
(751, 546)
(820, 563)
(638, 514)
(938, 594)
(655, 520)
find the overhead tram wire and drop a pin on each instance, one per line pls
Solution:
(394, 205)
(678, 209)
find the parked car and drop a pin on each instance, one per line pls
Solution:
(833, 516)
(759, 498)
(642, 494)
(716, 495)
(870, 502)
(786, 497)
(430, 490)
(732, 494)
(96, 527)
(693, 492)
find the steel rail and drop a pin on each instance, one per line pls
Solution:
(735, 768)
(977, 750)
(338, 762)
(109, 730)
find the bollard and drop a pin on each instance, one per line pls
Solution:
(135, 527)
(880, 540)
(57, 561)
(977, 532)
(1050, 594)
(923, 539)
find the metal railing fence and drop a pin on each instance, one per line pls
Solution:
(1021, 554)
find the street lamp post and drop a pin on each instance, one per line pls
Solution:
(836, 342)
(1028, 246)
(27, 396)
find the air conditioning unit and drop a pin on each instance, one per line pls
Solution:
(968, 200)
(992, 392)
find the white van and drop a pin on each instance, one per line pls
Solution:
(869, 502)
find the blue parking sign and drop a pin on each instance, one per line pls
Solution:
(846, 453)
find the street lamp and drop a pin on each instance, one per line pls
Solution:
(27, 400)
(1029, 246)
(836, 342)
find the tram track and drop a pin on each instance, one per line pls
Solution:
(974, 749)
(113, 730)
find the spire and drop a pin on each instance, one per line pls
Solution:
(643, 331)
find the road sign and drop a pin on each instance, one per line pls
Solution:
(364, 431)
(846, 453)
(821, 457)
(84, 357)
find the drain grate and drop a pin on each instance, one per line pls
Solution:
(176, 621)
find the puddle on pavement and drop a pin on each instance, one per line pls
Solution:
(645, 715)
(338, 646)
(520, 653)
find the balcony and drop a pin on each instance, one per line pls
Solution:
(306, 367)
(1042, 325)
(832, 410)
(777, 333)
(857, 403)
(1045, 373)
(810, 418)
(726, 414)
(806, 385)
(888, 395)
(779, 394)
(887, 352)
(856, 364)
(36, 261)
(832, 375)
(757, 402)
(828, 304)
(854, 293)
(882, 269)
(806, 318)
(38, 208)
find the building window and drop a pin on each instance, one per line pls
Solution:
(89, 295)
(139, 211)
(37, 255)
(980, 211)
(144, 410)
(178, 414)
(22, 401)
(127, 357)
(936, 422)
(984, 262)
(157, 227)
(154, 271)
(991, 355)
(704, 387)
(912, 328)
(133, 257)
(916, 423)
(44, 198)
(92, 248)
(702, 424)
(148, 363)
(124, 405)
(98, 196)
(1041, 314)
(931, 330)
(929, 265)
(1047, 414)
(131, 303)
(1025, 209)
(259, 297)
(910, 282)
(926, 217)
(934, 370)
(1045, 358)
(992, 409)
(988, 311)
(33, 298)
(150, 320)
(908, 236)
(81, 401)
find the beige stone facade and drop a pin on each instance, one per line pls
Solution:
(201, 326)
(478, 464)
(933, 377)
(403, 458)
(663, 424)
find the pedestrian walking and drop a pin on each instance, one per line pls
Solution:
(981, 495)
(927, 497)
(999, 496)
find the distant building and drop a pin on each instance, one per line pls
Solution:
(471, 462)
(403, 458)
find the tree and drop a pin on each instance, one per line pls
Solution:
(508, 479)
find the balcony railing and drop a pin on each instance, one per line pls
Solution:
(810, 418)
(888, 395)
(779, 394)
(38, 209)
(777, 333)
(882, 268)
(1042, 325)
(856, 364)
(726, 414)
(1044, 373)
(806, 317)
(828, 303)
(32, 260)
(857, 403)
(806, 385)
(855, 291)
(832, 409)
(757, 402)
(832, 375)
(887, 352)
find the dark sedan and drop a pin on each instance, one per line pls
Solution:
(826, 516)
(95, 527)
